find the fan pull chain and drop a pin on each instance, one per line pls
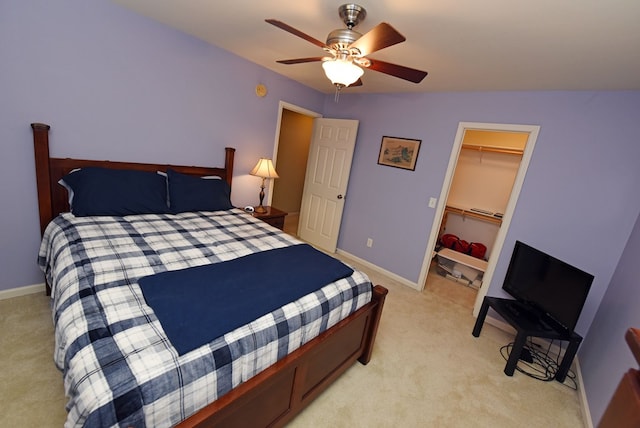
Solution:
(336, 97)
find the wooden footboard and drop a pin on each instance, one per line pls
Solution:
(275, 396)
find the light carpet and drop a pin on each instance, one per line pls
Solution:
(427, 370)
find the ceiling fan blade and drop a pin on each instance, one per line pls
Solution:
(406, 73)
(356, 83)
(295, 32)
(300, 60)
(379, 37)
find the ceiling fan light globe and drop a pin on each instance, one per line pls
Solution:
(342, 72)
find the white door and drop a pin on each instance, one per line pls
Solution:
(326, 180)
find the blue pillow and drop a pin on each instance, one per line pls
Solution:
(116, 192)
(190, 193)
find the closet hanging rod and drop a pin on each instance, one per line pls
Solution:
(493, 149)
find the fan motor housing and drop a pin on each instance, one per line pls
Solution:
(351, 14)
(340, 39)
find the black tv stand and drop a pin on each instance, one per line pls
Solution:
(528, 324)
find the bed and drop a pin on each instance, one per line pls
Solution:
(121, 369)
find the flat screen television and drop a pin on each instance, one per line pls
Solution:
(547, 284)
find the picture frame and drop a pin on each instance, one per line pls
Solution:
(399, 152)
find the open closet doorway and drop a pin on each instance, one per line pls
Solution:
(291, 151)
(476, 214)
(326, 167)
(325, 164)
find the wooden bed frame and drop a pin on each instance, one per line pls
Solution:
(275, 396)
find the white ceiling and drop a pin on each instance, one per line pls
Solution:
(465, 45)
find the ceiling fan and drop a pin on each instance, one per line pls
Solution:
(349, 49)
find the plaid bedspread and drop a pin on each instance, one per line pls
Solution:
(119, 367)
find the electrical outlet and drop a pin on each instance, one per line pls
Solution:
(369, 242)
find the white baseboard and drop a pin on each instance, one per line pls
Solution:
(380, 270)
(499, 324)
(584, 404)
(22, 291)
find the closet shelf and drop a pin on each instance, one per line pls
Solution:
(448, 209)
(473, 214)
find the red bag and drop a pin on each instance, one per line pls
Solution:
(448, 240)
(461, 246)
(477, 250)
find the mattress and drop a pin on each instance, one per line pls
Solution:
(119, 367)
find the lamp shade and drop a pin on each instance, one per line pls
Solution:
(342, 72)
(265, 169)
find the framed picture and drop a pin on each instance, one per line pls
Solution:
(399, 152)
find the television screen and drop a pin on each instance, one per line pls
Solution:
(548, 284)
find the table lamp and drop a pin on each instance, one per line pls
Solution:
(264, 169)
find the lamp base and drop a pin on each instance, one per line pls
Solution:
(260, 209)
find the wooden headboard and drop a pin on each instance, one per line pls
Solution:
(52, 197)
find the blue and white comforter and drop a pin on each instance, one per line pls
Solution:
(119, 367)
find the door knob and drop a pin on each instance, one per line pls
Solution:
(340, 196)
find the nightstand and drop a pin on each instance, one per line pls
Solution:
(273, 216)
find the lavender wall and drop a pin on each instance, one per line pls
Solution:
(114, 85)
(578, 202)
(605, 356)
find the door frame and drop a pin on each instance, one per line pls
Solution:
(533, 131)
(282, 105)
